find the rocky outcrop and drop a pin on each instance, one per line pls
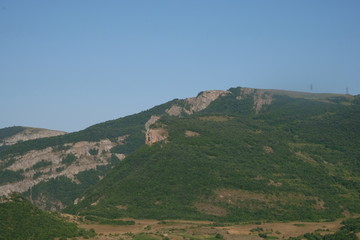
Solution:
(85, 159)
(174, 110)
(30, 134)
(156, 135)
(196, 104)
(260, 97)
(151, 121)
(203, 100)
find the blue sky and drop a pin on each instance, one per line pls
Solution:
(68, 64)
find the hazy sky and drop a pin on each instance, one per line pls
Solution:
(69, 64)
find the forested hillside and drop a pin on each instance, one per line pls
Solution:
(241, 154)
(296, 159)
(20, 220)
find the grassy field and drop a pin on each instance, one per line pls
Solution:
(206, 230)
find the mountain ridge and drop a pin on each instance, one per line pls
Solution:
(179, 174)
(125, 136)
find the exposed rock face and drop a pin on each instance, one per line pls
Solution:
(55, 167)
(204, 99)
(151, 121)
(175, 110)
(260, 97)
(30, 134)
(156, 135)
(201, 102)
(121, 140)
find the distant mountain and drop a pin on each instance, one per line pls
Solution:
(240, 154)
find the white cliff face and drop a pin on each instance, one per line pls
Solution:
(30, 134)
(196, 104)
(151, 121)
(84, 161)
(202, 101)
(154, 135)
(260, 97)
(174, 110)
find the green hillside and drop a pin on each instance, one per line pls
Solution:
(48, 193)
(19, 220)
(132, 125)
(249, 155)
(297, 159)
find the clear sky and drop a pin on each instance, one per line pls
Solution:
(69, 64)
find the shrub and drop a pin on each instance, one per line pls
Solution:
(41, 164)
(69, 159)
(94, 151)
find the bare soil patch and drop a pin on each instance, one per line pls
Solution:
(210, 209)
(215, 118)
(187, 229)
(191, 133)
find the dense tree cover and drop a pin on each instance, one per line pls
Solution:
(69, 159)
(10, 131)
(284, 162)
(19, 220)
(41, 164)
(8, 176)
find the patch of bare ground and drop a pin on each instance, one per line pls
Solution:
(285, 230)
(191, 133)
(305, 157)
(156, 135)
(123, 207)
(256, 201)
(172, 229)
(268, 149)
(187, 229)
(274, 183)
(215, 118)
(210, 209)
(113, 229)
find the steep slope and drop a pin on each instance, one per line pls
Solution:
(21, 220)
(55, 171)
(249, 155)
